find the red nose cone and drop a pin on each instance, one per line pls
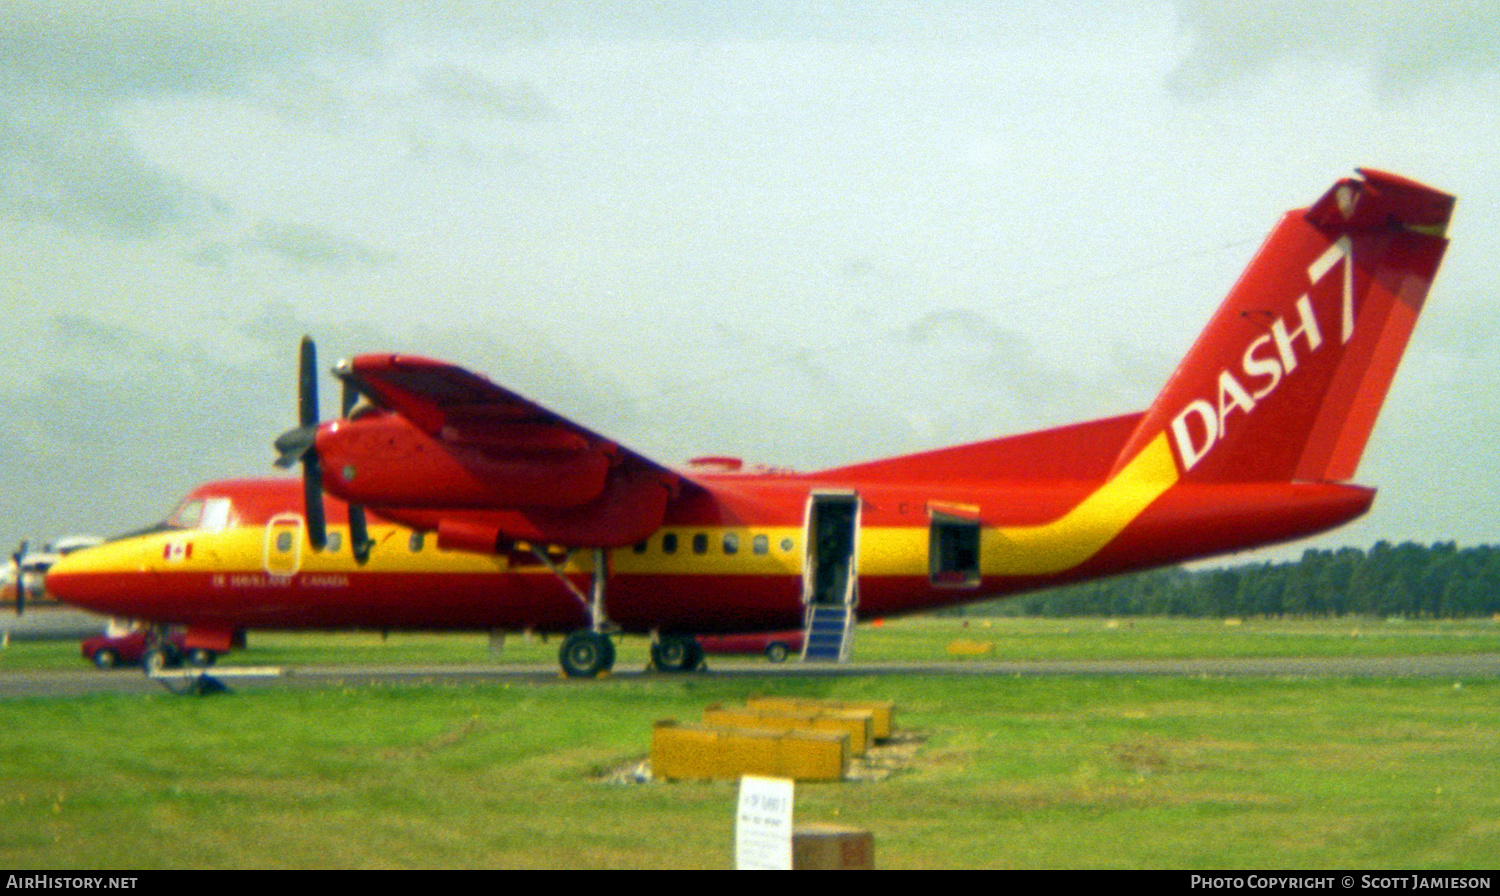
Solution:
(83, 582)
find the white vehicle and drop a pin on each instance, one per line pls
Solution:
(35, 563)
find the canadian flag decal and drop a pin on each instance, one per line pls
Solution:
(177, 551)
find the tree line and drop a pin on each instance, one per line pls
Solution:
(1408, 580)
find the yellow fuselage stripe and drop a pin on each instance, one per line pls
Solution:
(882, 551)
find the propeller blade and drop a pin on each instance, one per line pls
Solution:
(20, 578)
(359, 530)
(312, 496)
(301, 444)
(307, 383)
(349, 397)
(359, 533)
(294, 445)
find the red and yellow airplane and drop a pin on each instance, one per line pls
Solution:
(496, 513)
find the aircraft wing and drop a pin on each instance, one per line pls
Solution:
(457, 406)
(447, 449)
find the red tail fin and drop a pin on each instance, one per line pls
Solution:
(1286, 381)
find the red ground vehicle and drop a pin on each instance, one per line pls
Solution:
(108, 651)
(777, 646)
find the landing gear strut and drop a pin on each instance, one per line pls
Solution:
(586, 654)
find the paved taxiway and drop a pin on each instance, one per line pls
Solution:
(49, 622)
(131, 681)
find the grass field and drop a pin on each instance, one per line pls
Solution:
(1069, 772)
(915, 640)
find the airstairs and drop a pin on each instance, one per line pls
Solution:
(829, 634)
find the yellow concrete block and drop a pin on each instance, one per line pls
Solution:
(688, 751)
(883, 712)
(856, 723)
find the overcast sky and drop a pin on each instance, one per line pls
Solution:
(808, 234)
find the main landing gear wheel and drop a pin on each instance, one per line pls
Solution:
(676, 653)
(587, 654)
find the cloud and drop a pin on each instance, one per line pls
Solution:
(127, 47)
(297, 244)
(71, 75)
(467, 91)
(121, 420)
(1401, 45)
(979, 350)
(66, 69)
(67, 162)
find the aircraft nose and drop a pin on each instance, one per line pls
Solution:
(68, 580)
(92, 579)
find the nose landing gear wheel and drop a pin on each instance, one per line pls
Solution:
(586, 655)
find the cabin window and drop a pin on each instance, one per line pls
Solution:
(334, 540)
(953, 551)
(669, 543)
(760, 544)
(639, 547)
(415, 542)
(283, 541)
(700, 543)
(731, 543)
(786, 545)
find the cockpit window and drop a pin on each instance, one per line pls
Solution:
(187, 516)
(211, 514)
(215, 514)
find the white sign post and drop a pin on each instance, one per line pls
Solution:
(763, 829)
